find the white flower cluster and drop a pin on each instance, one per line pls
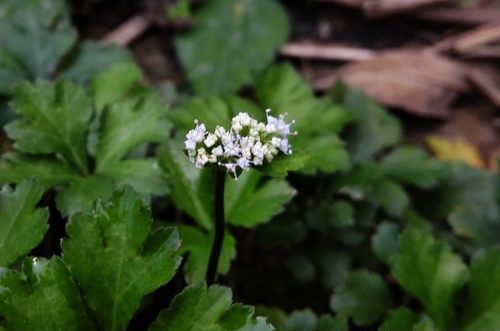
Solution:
(248, 142)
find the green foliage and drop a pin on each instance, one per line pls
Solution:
(116, 259)
(199, 308)
(431, 272)
(22, 225)
(400, 319)
(41, 297)
(51, 140)
(231, 41)
(364, 296)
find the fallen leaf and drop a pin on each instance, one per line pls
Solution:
(455, 150)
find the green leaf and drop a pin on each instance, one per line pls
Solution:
(91, 58)
(400, 319)
(391, 196)
(192, 189)
(200, 309)
(385, 241)
(413, 166)
(365, 297)
(22, 225)
(54, 120)
(199, 244)
(231, 40)
(429, 270)
(482, 311)
(82, 194)
(37, 34)
(113, 83)
(145, 176)
(43, 297)
(16, 167)
(126, 125)
(249, 201)
(301, 320)
(116, 259)
(285, 91)
(282, 164)
(374, 129)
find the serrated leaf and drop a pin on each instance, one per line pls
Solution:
(482, 311)
(91, 58)
(113, 83)
(16, 167)
(413, 166)
(374, 130)
(283, 90)
(116, 259)
(429, 270)
(282, 164)
(82, 194)
(231, 41)
(365, 297)
(199, 308)
(143, 175)
(400, 319)
(192, 189)
(126, 125)
(249, 201)
(199, 244)
(37, 34)
(54, 120)
(22, 225)
(385, 241)
(43, 297)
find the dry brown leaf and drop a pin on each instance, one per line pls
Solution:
(419, 82)
(456, 150)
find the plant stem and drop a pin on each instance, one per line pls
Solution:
(220, 227)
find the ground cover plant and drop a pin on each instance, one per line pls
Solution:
(242, 200)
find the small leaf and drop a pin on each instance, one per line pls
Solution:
(22, 226)
(391, 196)
(385, 241)
(249, 201)
(116, 259)
(457, 150)
(301, 320)
(43, 297)
(282, 164)
(199, 244)
(82, 194)
(231, 41)
(400, 319)
(200, 309)
(482, 311)
(113, 83)
(16, 167)
(365, 297)
(413, 166)
(429, 270)
(126, 125)
(192, 189)
(54, 120)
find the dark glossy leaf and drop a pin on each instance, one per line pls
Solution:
(22, 225)
(116, 259)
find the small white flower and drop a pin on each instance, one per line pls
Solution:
(210, 140)
(190, 145)
(217, 151)
(243, 163)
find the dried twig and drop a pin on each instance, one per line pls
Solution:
(473, 16)
(469, 42)
(488, 83)
(375, 8)
(326, 52)
(129, 30)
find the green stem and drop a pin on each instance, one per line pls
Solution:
(220, 227)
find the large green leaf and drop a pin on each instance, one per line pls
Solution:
(199, 244)
(192, 189)
(54, 120)
(365, 297)
(429, 270)
(41, 297)
(128, 124)
(199, 308)
(116, 259)
(35, 35)
(22, 226)
(482, 311)
(16, 167)
(250, 201)
(285, 91)
(231, 40)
